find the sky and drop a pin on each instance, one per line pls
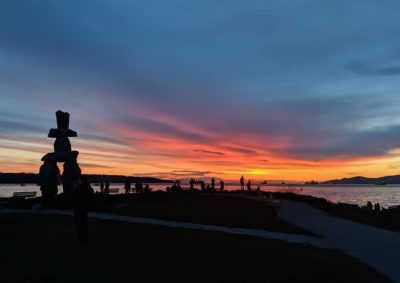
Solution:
(274, 90)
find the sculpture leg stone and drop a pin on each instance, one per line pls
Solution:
(71, 176)
(48, 181)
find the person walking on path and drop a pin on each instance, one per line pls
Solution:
(249, 186)
(242, 183)
(83, 198)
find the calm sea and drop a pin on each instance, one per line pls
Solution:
(355, 194)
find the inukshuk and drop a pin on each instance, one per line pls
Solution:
(49, 172)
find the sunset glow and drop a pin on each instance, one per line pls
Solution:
(216, 93)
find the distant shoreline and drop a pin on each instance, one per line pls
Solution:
(32, 178)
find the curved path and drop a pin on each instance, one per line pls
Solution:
(292, 238)
(376, 247)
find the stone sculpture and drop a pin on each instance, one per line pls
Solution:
(49, 172)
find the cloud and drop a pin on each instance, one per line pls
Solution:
(208, 152)
(93, 165)
(364, 69)
(19, 126)
(182, 174)
(214, 85)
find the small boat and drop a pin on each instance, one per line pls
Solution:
(265, 182)
(311, 183)
(22, 185)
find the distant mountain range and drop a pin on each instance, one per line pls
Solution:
(395, 179)
(32, 178)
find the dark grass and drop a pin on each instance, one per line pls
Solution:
(220, 209)
(41, 249)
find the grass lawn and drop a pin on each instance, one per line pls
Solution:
(39, 248)
(222, 210)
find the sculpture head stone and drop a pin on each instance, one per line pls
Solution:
(62, 119)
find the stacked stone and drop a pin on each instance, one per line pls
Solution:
(49, 171)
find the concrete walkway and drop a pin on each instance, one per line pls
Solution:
(292, 238)
(376, 247)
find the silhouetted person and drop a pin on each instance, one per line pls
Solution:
(107, 187)
(377, 207)
(249, 185)
(146, 189)
(258, 191)
(242, 183)
(203, 186)
(83, 197)
(191, 184)
(369, 205)
(137, 185)
(127, 186)
(101, 187)
(212, 183)
(222, 185)
(208, 189)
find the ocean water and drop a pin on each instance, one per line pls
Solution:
(355, 194)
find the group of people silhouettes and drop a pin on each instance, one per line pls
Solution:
(209, 188)
(139, 187)
(105, 187)
(242, 184)
(375, 207)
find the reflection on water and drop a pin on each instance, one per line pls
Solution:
(356, 194)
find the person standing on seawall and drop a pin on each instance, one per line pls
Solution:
(212, 183)
(222, 185)
(127, 186)
(249, 185)
(242, 183)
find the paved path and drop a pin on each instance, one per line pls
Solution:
(376, 247)
(292, 238)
